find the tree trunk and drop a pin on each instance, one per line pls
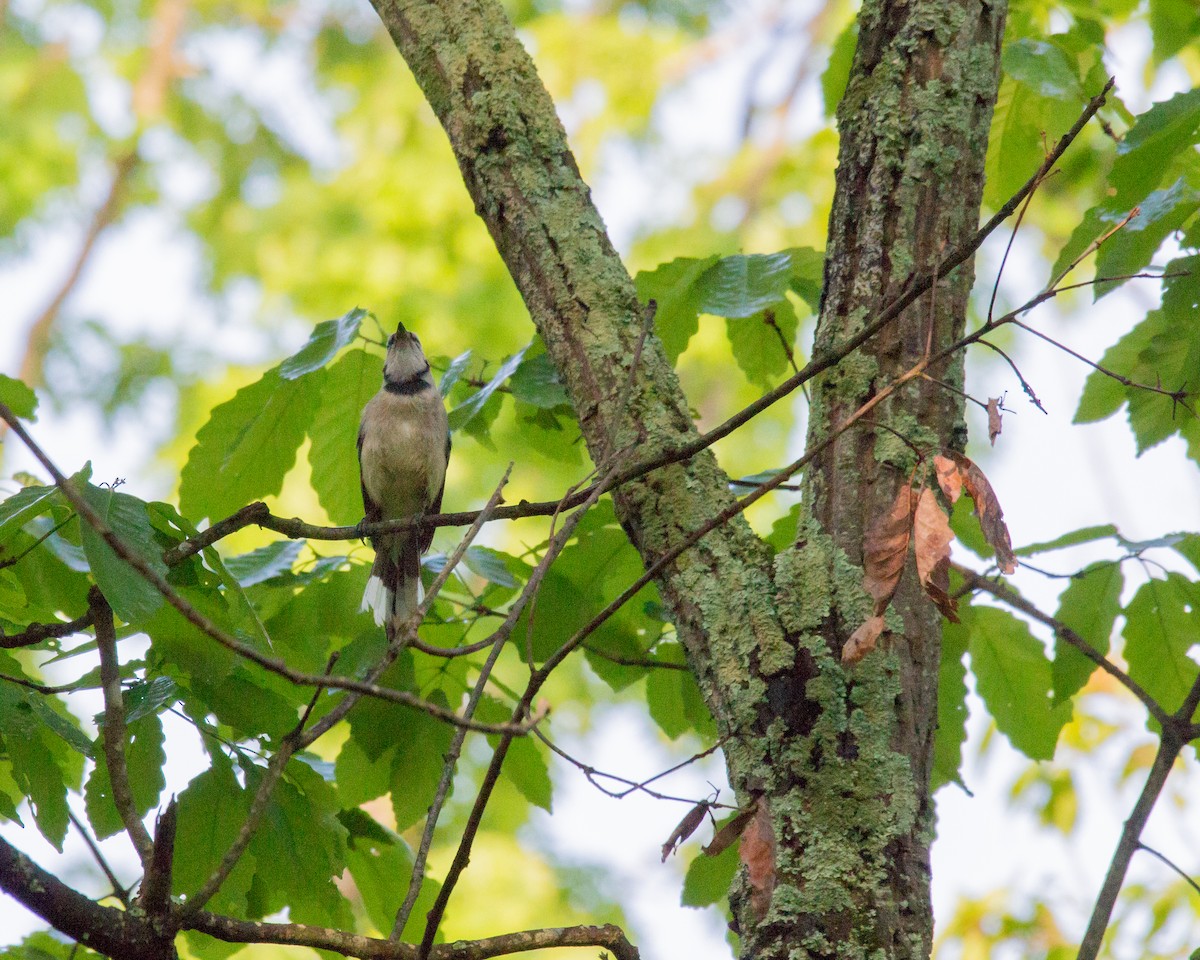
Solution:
(838, 759)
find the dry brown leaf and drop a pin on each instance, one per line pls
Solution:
(685, 828)
(994, 424)
(948, 477)
(727, 834)
(931, 535)
(757, 852)
(885, 547)
(931, 544)
(862, 640)
(987, 508)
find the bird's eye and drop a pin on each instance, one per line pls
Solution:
(391, 340)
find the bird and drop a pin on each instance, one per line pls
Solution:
(403, 450)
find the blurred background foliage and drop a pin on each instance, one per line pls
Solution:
(190, 185)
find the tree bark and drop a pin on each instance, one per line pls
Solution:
(838, 760)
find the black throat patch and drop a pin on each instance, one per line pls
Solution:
(406, 388)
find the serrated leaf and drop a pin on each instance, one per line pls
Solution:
(489, 564)
(333, 454)
(536, 382)
(745, 284)
(144, 759)
(131, 596)
(1089, 606)
(525, 766)
(23, 506)
(1150, 146)
(951, 731)
(417, 764)
(265, 562)
(144, 699)
(19, 398)
(299, 849)
(212, 809)
(760, 343)
(1071, 539)
(466, 411)
(1131, 248)
(1043, 67)
(1013, 678)
(1162, 623)
(248, 445)
(708, 879)
(326, 340)
(672, 286)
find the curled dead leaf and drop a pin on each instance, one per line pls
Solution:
(724, 837)
(994, 422)
(931, 544)
(885, 547)
(948, 477)
(685, 828)
(987, 508)
(862, 641)
(757, 852)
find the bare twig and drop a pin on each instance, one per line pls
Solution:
(37, 632)
(1154, 853)
(1169, 748)
(114, 728)
(119, 890)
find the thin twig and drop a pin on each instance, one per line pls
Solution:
(1154, 853)
(119, 891)
(1025, 387)
(114, 728)
(13, 561)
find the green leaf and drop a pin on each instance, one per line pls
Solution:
(333, 454)
(1089, 606)
(300, 849)
(1162, 623)
(381, 864)
(525, 766)
(1150, 147)
(265, 562)
(23, 506)
(132, 597)
(248, 445)
(1013, 677)
(42, 765)
(760, 343)
(536, 382)
(837, 73)
(1173, 24)
(951, 731)
(144, 759)
(181, 647)
(1071, 539)
(743, 285)
(466, 411)
(489, 564)
(417, 763)
(674, 700)
(149, 698)
(326, 340)
(708, 878)
(212, 809)
(1131, 249)
(454, 372)
(672, 286)
(17, 397)
(1043, 67)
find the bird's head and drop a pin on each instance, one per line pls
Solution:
(405, 358)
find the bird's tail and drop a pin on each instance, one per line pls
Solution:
(394, 589)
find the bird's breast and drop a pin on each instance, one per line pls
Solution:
(403, 456)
